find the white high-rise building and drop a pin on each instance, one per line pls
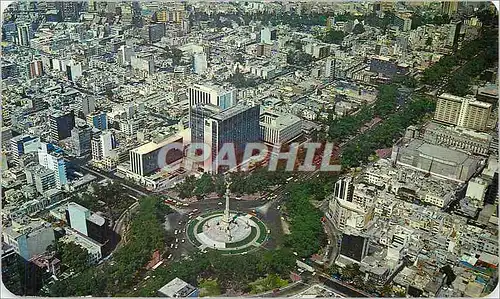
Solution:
(74, 70)
(102, 145)
(88, 105)
(23, 35)
(200, 63)
(268, 35)
(125, 54)
(54, 161)
(209, 94)
(144, 64)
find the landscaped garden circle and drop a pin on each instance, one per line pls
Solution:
(244, 232)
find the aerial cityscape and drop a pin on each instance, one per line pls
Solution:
(249, 149)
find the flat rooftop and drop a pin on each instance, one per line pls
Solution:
(153, 146)
(177, 288)
(230, 112)
(76, 206)
(439, 152)
(280, 121)
(79, 239)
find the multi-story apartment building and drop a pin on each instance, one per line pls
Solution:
(463, 112)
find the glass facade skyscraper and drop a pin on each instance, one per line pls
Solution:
(211, 125)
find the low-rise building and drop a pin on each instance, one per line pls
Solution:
(178, 288)
(436, 160)
(93, 248)
(28, 237)
(279, 129)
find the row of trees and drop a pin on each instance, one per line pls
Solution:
(259, 180)
(387, 133)
(240, 81)
(111, 199)
(421, 19)
(202, 186)
(306, 231)
(477, 54)
(235, 273)
(146, 234)
(299, 58)
(341, 129)
(332, 36)
(461, 81)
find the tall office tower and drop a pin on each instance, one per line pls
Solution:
(200, 63)
(210, 94)
(23, 144)
(87, 223)
(454, 34)
(77, 217)
(463, 112)
(155, 32)
(170, 15)
(98, 120)
(144, 64)
(344, 189)
(102, 145)
(61, 124)
(23, 35)
(186, 26)
(73, 71)
(330, 65)
(81, 135)
(137, 14)
(268, 35)
(53, 159)
(214, 126)
(449, 7)
(92, 6)
(402, 22)
(36, 69)
(88, 105)
(125, 53)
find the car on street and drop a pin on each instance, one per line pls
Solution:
(219, 203)
(169, 256)
(176, 246)
(176, 240)
(175, 232)
(172, 245)
(183, 240)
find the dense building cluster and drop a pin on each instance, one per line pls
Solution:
(94, 91)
